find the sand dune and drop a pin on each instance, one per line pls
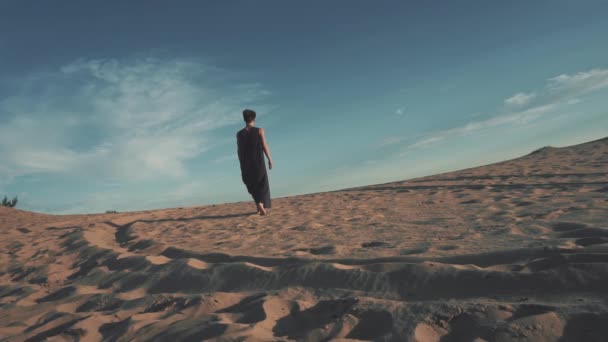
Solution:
(513, 251)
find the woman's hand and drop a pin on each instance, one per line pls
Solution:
(270, 164)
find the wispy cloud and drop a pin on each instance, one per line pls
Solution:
(135, 119)
(426, 142)
(226, 158)
(578, 83)
(185, 193)
(400, 111)
(519, 117)
(523, 108)
(520, 99)
(392, 140)
(573, 101)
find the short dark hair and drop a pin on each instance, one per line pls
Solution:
(248, 115)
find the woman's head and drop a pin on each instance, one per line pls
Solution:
(248, 115)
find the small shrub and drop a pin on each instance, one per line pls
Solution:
(9, 203)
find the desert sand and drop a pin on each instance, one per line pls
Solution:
(513, 251)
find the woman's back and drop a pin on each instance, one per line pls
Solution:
(251, 153)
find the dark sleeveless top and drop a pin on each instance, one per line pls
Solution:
(253, 166)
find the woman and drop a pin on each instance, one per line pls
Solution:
(251, 146)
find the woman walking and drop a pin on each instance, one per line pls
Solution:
(251, 147)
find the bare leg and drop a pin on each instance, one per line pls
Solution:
(261, 209)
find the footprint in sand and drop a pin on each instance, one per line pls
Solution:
(447, 247)
(373, 244)
(298, 228)
(323, 250)
(523, 203)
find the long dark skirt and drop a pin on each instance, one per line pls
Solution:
(260, 190)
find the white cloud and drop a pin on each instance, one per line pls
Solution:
(519, 117)
(513, 118)
(520, 99)
(426, 141)
(559, 91)
(574, 101)
(187, 191)
(137, 119)
(579, 83)
(400, 111)
(393, 140)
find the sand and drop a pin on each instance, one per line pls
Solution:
(513, 251)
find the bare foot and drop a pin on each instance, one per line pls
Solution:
(261, 209)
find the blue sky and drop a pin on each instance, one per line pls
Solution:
(120, 105)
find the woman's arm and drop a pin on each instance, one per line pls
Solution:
(266, 148)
